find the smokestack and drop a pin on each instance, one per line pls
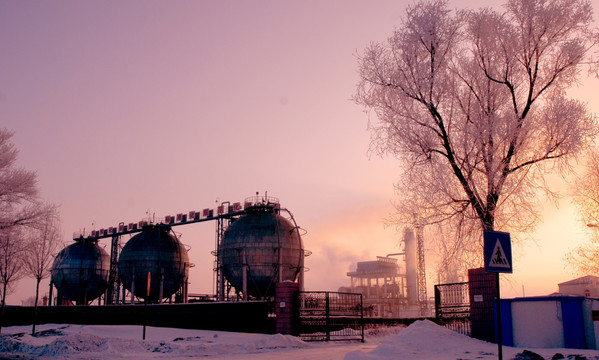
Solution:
(411, 266)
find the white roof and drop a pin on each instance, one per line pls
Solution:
(581, 280)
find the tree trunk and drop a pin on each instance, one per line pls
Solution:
(3, 305)
(37, 291)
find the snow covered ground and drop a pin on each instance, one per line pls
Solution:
(421, 340)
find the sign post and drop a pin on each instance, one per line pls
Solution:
(498, 259)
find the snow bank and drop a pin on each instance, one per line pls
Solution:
(427, 340)
(107, 342)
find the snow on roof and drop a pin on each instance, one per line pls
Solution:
(589, 279)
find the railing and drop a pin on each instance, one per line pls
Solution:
(452, 307)
(327, 316)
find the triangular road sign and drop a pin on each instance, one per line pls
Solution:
(498, 258)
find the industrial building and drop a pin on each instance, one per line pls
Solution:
(258, 244)
(393, 286)
(382, 284)
(587, 286)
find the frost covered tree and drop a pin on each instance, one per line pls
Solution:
(474, 105)
(44, 241)
(19, 205)
(585, 258)
(20, 208)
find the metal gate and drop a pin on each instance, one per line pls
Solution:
(452, 306)
(327, 316)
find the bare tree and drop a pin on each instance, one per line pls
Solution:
(12, 249)
(473, 103)
(42, 246)
(20, 208)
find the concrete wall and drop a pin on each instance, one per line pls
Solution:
(537, 324)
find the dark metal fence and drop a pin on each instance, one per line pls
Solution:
(327, 316)
(452, 307)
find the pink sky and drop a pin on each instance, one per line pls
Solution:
(128, 108)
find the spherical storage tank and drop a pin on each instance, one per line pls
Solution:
(155, 250)
(80, 272)
(252, 244)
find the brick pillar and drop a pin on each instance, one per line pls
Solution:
(482, 289)
(286, 307)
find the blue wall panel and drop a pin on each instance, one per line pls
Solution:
(573, 323)
(507, 332)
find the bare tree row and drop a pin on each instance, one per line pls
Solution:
(29, 228)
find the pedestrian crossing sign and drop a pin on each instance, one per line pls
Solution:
(498, 252)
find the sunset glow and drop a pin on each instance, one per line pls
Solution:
(133, 109)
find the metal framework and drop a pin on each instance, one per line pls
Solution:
(382, 285)
(220, 284)
(422, 295)
(112, 294)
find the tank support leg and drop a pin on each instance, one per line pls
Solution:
(133, 286)
(160, 292)
(50, 294)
